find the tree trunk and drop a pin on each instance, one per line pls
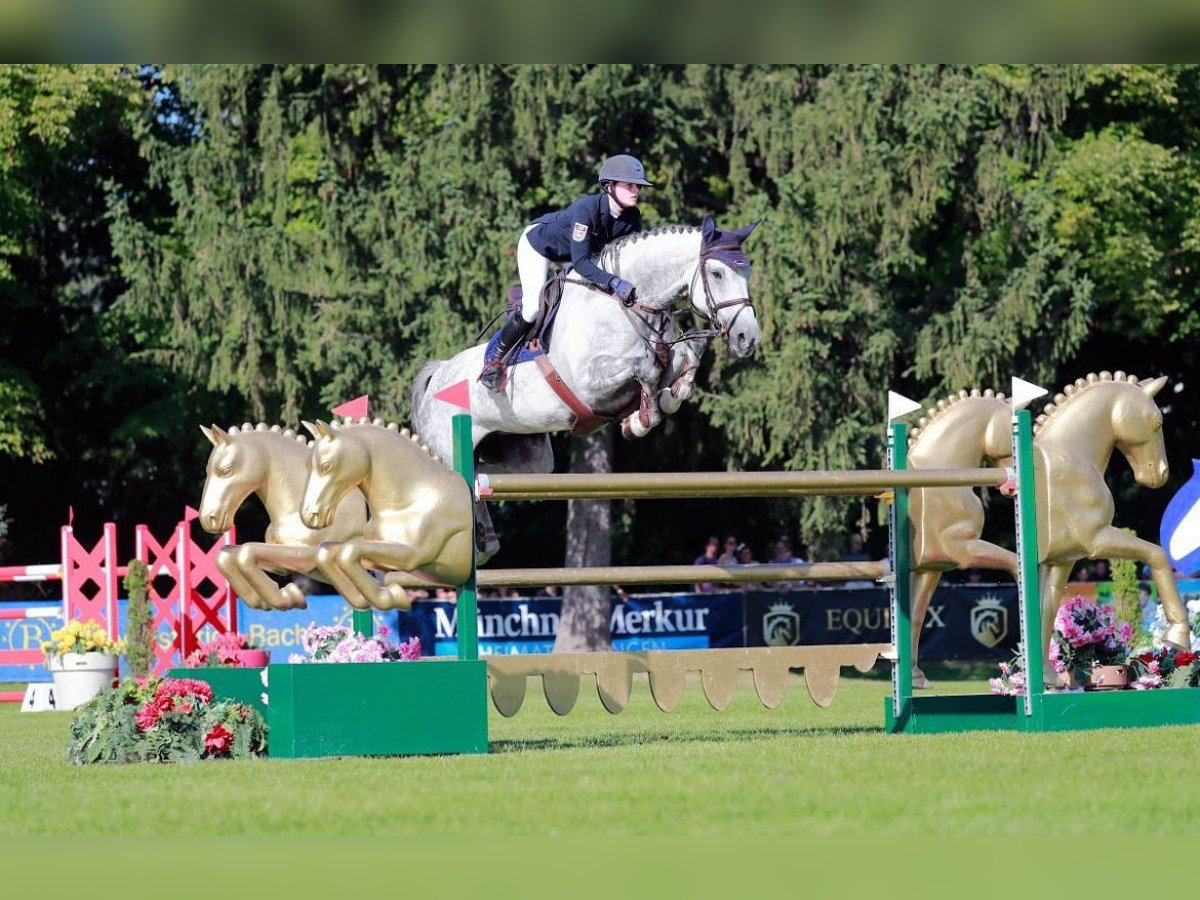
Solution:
(586, 611)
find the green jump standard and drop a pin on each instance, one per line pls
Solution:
(377, 709)
(1051, 712)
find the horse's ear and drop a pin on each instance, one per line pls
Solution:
(215, 435)
(1152, 386)
(708, 230)
(742, 233)
(318, 429)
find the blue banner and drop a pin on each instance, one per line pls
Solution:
(965, 621)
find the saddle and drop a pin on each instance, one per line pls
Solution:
(537, 343)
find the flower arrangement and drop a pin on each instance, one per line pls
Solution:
(1011, 682)
(164, 720)
(224, 650)
(1088, 635)
(81, 637)
(340, 644)
(1165, 667)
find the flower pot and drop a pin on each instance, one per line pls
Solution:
(253, 659)
(1103, 678)
(78, 677)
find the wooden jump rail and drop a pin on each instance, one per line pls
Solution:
(563, 577)
(715, 485)
(666, 670)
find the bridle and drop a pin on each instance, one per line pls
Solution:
(731, 256)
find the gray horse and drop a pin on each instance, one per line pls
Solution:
(630, 364)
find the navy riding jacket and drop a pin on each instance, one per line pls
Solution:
(579, 232)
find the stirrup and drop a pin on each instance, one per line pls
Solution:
(494, 376)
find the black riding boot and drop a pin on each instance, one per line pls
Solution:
(495, 374)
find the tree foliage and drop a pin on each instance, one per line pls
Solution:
(287, 237)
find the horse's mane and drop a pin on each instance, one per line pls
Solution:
(250, 428)
(943, 405)
(387, 426)
(622, 242)
(1071, 391)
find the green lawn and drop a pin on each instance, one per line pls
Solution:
(744, 771)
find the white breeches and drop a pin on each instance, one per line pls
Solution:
(533, 269)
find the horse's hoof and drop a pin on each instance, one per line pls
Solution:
(1179, 636)
(919, 681)
(292, 597)
(395, 597)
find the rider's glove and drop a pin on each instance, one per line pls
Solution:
(623, 289)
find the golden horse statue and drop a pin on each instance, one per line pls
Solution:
(272, 463)
(421, 512)
(967, 430)
(1073, 441)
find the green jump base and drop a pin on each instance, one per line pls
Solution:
(1051, 712)
(377, 709)
(243, 685)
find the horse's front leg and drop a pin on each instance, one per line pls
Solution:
(1115, 543)
(388, 555)
(283, 559)
(329, 561)
(679, 380)
(242, 566)
(638, 423)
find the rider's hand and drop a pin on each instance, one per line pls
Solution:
(623, 289)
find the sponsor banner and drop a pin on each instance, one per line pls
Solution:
(654, 622)
(963, 622)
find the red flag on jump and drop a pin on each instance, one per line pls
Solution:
(457, 394)
(190, 514)
(352, 409)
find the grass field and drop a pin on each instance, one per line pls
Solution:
(745, 771)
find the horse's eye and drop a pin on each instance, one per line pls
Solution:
(225, 471)
(718, 274)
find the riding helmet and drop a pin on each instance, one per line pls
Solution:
(624, 168)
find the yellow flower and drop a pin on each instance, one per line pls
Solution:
(100, 636)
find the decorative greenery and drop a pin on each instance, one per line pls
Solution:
(221, 651)
(164, 720)
(1127, 597)
(81, 637)
(339, 644)
(139, 633)
(1088, 635)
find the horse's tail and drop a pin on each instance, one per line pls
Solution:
(419, 399)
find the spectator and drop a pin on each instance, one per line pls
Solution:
(857, 553)
(707, 558)
(745, 557)
(783, 557)
(729, 551)
(549, 592)
(1100, 570)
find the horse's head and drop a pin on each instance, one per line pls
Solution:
(234, 471)
(338, 464)
(723, 290)
(1137, 429)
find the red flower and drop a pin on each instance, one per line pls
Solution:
(147, 717)
(219, 741)
(1185, 658)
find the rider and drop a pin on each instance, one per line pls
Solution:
(577, 233)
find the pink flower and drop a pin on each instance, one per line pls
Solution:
(218, 741)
